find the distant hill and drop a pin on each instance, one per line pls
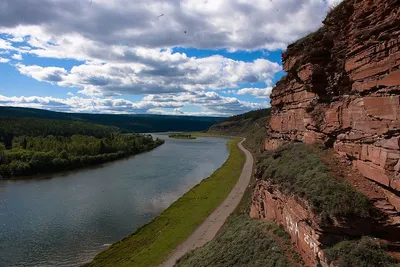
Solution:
(131, 123)
(241, 125)
(251, 125)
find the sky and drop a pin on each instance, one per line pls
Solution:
(187, 57)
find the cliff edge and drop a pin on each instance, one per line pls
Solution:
(342, 88)
(342, 91)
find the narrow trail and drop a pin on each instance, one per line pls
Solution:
(209, 228)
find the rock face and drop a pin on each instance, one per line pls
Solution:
(271, 205)
(342, 88)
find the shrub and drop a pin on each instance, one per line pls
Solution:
(241, 242)
(299, 169)
(365, 252)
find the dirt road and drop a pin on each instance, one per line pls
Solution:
(209, 228)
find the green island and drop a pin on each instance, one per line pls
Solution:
(30, 146)
(181, 136)
(151, 244)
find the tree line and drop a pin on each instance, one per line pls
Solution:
(11, 127)
(42, 145)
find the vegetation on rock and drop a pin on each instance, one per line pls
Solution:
(243, 242)
(299, 169)
(365, 252)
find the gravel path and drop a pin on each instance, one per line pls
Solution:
(209, 228)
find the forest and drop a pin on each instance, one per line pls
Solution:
(139, 123)
(33, 146)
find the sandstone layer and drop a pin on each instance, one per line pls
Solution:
(342, 88)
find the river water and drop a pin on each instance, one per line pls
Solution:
(68, 219)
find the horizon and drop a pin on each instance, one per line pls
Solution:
(185, 58)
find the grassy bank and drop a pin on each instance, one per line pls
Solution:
(298, 169)
(363, 252)
(245, 242)
(151, 244)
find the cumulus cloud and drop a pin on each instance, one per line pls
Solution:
(4, 60)
(125, 47)
(17, 56)
(210, 103)
(48, 74)
(173, 73)
(257, 92)
(235, 24)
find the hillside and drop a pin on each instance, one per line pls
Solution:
(250, 125)
(241, 125)
(133, 123)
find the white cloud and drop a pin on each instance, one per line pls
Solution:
(153, 72)
(333, 3)
(4, 60)
(48, 74)
(257, 92)
(125, 47)
(17, 56)
(234, 24)
(210, 103)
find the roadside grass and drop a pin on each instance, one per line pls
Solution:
(299, 169)
(151, 244)
(364, 252)
(244, 242)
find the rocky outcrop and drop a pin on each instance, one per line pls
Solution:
(309, 236)
(342, 88)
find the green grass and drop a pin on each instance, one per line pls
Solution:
(365, 252)
(243, 242)
(151, 244)
(298, 169)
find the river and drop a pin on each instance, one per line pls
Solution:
(66, 219)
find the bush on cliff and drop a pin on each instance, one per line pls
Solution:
(299, 169)
(243, 242)
(364, 252)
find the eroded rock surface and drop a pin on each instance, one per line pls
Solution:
(342, 88)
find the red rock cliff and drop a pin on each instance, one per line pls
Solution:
(342, 88)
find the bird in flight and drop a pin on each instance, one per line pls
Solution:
(160, 16)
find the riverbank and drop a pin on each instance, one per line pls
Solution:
(209, 228)
(30, 157)
(151, 244)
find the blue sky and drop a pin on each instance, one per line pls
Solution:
(191, 57)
